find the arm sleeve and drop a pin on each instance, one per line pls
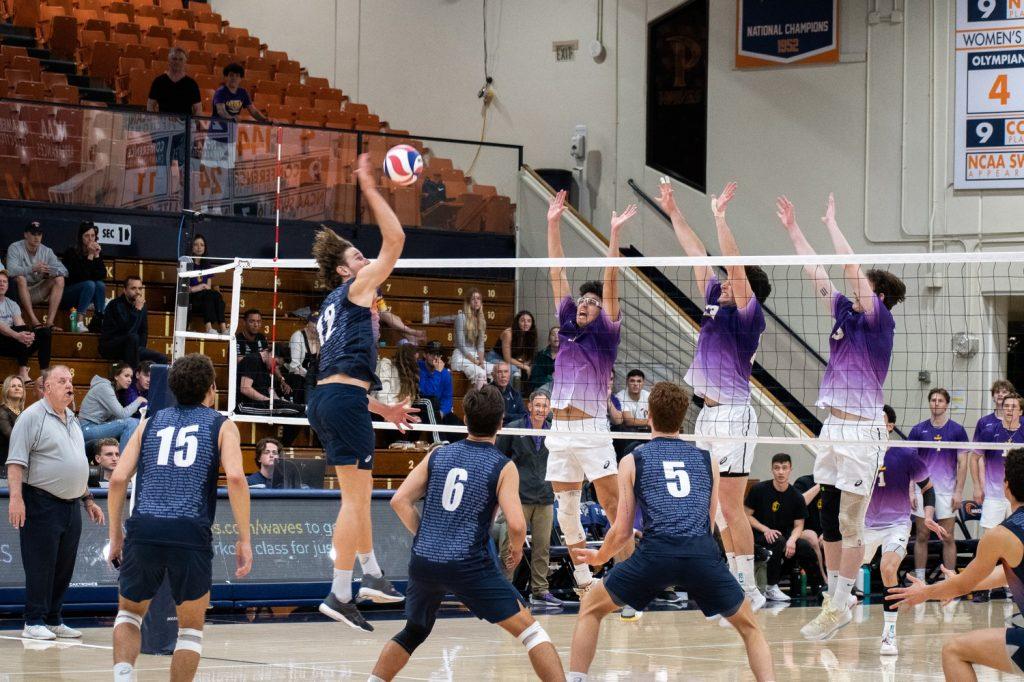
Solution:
(297, 351)
(840, 305)
(107, 399)
(21, 438)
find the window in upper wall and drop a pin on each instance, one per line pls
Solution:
(677, 93)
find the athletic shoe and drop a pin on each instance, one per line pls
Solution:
(668, 597)
(757, 600)
(980, 597)
(629, 613)
(344, 612)
(378, 590)
(546, 599)
(829, 621)
(64, 632)
(1000, 593)
(888, 647)
(775, 594)
(80, 328)
(37, 632)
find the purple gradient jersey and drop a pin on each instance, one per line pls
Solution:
(995, 460)
(986, 422)
(725, 348)
(890, 499)
(586, 358)
(860, 348)
(941, 462)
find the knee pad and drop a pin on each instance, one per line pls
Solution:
(189, 640)
(830, 514)
(569, 516)
(129, 618)
(533, 635)
(852, 509)
(410, 637)
(720, 518)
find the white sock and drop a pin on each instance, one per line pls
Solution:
(582, 574)
(745, 571)
(576, 677)
(833, 576)
(341, 586)
(920, 573)
(844, 588)
(374, 678)
(368, 562)
(123, 672)
(890, 619)
(730, 558)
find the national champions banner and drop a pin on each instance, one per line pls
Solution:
(786, 32)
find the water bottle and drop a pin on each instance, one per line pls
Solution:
(803, 584)
(74, 320)
(426, 312)
(864, 579)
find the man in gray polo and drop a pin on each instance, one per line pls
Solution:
(48, 473)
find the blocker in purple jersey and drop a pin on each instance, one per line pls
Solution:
(585, 361)
(887, 523)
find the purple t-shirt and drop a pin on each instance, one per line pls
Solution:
(725, 348)
(890, 500)
(986, 422)
(941, 462)
(234, 102)
(860, 347)
(995, 460)
(586, 358)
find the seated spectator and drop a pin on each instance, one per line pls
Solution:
(107, 453)
(517, 345)
(530, 455)
(634, 401)
(777, 512)
(37, 273)
(204, 301)
(101, 415)
(231, 98)
(17, 340)
(470, 331)
(175, 92)
(86, 271)
(268, 451)
(12, 402)
(502, 379)
(125, 330)
(542, 369)
(139, 387)
(252, 341)
(254, 382)
(435, 383)
(383, 315)
(303, 350)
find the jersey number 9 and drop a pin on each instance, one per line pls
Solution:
(186, 445)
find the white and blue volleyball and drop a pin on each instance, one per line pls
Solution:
(403, 164)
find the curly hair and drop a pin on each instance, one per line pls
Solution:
(191, 376)
(408, 373)
(329, 250)
(888, 285)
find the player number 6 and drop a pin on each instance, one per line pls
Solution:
(451, 498)
(677, 480)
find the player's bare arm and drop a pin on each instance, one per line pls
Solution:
(413, 488)
(122, 473)
(622, 529)
(230, 447)
(611, 273)
(823, 287)
(855, 279)
(741, 291)
(392, 235)
(685, 235)
(512, 508)
(559, 281)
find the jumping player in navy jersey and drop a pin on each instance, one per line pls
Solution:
(999, 562)
(676, 488)
(339, 410)
(461, 486)
(176, 454)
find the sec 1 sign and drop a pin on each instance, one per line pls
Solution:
(989, 109)
(114, 233)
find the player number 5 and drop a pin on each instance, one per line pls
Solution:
(186, 446)
(451, 498)
(677, 480)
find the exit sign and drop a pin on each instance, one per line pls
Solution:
(565, 51)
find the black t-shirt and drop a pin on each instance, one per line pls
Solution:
(813, 522)
(253, 367)
(246, 347)
(774, 509)
(174, 98)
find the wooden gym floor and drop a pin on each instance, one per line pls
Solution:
(663, 645)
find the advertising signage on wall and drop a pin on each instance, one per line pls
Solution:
(786, 32)
(989, 127)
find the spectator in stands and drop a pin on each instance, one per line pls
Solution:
(37, 273)
(543, 366)
(517, 345)
(175, 92)
(268, 451)
(470, 330)
(633, 399)
(17, 340)
(530, 455)
(435, 383)
(231, 98)
(139, 387)
(502, 379)
(106, 455)
(303, 352)
(251, 341)
(254, 385)
(811, 492)
(48, 473)
(12, 402)
(86, 271)
(777, 512)
(125, 330)
(101, 414)
(204, 301)
(615, 415)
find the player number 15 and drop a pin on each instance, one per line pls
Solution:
(677, 480)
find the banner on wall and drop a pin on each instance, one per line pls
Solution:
(989, 109)
(786, 32)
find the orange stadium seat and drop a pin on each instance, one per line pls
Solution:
(5, 88)
(235, 32)
(217, 43)
(126, 33)
(64, 93)
(340, 120)
(315, 83)
(17, 75)
(50, 79)
(146, 22)
(29, 64)
(63, 38)
(281, 113)
(175, 24)
(184, 15)
(287, 78)
(139, 81)
(25, 13)
(161, 32)
(208, 81)
(139, 52)
(117, 10)
(309, 117)
(156, 42)
(207, 25)
(150, 11)
(170, 5)
(103, 62)
(30, 90)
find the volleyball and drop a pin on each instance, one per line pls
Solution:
(403, 164)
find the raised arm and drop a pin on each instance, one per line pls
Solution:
(688, 239)
(611, 273)
(392, 235)
(559, 282)
(741, 291)
(823, 286)
(855, 279)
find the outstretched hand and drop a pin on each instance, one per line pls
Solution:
(911, 595)
(934, 527)
(401, 415)
(718, 203)
(830, 211)
(582, 555)
(556, 206)
(619, 220)
(666, 199)
(786, 212)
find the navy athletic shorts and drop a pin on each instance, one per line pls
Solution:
(705, 578)
(143, 568)
(484, 591)
(340, 415)
(1015, 647)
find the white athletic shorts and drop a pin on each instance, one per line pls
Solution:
(728, 420)
(580, 449)
(943, 505)
(890, 539)
(994, 510)
(851, 468)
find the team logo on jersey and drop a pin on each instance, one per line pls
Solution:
(858, 483)
(722, 461)
(711, 311)
(776, 506)
(607, 463)
(838, 334)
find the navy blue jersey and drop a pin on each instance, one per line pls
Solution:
(1015, 574)
(673, 490)
(346, 338)
(176, 482)
(462, 494)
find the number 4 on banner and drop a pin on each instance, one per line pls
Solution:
(1000, 90)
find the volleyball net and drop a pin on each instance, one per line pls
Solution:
(954, 330)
